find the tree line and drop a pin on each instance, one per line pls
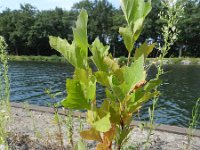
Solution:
(26, 30)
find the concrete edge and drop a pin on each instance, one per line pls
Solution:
(159, 127)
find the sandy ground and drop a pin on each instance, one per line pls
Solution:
(38, 130)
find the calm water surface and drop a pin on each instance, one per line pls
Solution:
(181, 84)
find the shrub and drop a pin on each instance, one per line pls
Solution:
(126, 87)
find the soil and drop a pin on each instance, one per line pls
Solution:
(34, 130)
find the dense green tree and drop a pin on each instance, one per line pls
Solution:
(14, 26)
(7, 28)
(26, 30)
(52, 22)
(189, 40)
(100, 18)
(152, 24)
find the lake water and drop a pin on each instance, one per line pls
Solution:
(181, 86)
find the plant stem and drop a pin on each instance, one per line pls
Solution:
(69, 124)
(59, 128)
(193, 123)
(129, 57)
(169, 39)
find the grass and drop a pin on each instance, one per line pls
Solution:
(122, 59)
(193, 122)
(4, 94)
(52, 58)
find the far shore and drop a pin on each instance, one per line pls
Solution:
(55, 58)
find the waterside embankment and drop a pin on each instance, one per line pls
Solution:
(36, 126)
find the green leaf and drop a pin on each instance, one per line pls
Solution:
(77, 52)
(119, 92)
(133, 75)
(80, 32)
(137, 28)
(135, 9)
(102, 78)
(138, 94)
(152, 84)
(118, 74)
(115, 116)
(111, 63)
(135, 12)
(144, 49)
(103, 124)
(80, 145)
(92, 116)
(88, 82)
(109, 95)
(70, 52)
(82, 75)
(136, 104)
(104, 109)
(123, 135)
(99, 51)
(127, 35)
(76, 98)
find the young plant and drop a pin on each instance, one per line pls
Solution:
(193, 122)
(56, 117)
(126, 87)
(4, 94)
(31, 115)
(68, 121)
(170, 15)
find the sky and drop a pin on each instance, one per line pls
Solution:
(44, 4)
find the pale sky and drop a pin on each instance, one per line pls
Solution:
(44, 4)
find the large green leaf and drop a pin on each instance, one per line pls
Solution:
(87, 81)
(103, 124)
(98, 121)
(99, 51)
(82, 75)
(133, 75)
(116, 93)
(102, 78)
(111, 63)
(80, 32)
(135, 12)
(69, 51)
(127, 35)
(135, 9)
(77, 52)
(79, 95)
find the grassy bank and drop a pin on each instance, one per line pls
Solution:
(183, 61)
(122, 60)
(53, 58)
(179, 60)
